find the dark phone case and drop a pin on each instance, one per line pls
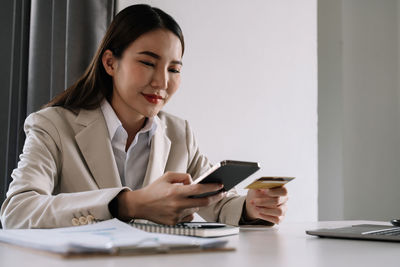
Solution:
(230, 173)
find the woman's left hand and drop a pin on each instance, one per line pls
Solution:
(267, 204)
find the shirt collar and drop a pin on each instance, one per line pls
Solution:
(110, 117)
(150, 127)
(113, 122)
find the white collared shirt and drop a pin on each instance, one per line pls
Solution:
(132, 165)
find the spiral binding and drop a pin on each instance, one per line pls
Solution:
(178, 229)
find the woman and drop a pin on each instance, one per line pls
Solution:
(103, 148)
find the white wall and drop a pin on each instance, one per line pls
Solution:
(359, 151)
(250, 87)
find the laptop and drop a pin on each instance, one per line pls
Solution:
(361, 231)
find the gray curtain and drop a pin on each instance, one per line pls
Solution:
(46, 46)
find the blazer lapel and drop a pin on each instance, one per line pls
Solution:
(94, 142)
(160, 146)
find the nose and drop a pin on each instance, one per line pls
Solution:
(160, 79)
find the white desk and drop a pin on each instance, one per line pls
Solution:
(287, 245)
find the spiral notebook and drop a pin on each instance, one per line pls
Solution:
(110, 237)
(199, 229)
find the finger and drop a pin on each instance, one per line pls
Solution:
(187, 214)
(188, 211)
(187, 218)
(197, 189)
(269, 218)
(281, 211)
(269, 201)
(275, 192)
(177, 177)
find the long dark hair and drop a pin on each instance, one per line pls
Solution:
(95, 84)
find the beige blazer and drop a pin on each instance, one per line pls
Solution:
(67, 169)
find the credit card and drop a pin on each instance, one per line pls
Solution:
(269, 182)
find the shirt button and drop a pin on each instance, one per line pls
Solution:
(75, 222)
(83, 220)
(90, 219)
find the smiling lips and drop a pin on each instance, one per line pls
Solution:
(154, 99)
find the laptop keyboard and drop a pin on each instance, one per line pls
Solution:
(386, 232)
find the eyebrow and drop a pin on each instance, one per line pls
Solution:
(154, 55)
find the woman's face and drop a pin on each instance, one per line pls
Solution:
(147, 74)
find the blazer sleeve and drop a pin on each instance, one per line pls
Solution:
(32, 200)
(227, 210)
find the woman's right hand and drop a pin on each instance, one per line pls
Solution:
(167, 200)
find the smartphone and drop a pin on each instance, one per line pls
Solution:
(227, 172)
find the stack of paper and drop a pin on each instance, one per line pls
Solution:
(111, 237)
